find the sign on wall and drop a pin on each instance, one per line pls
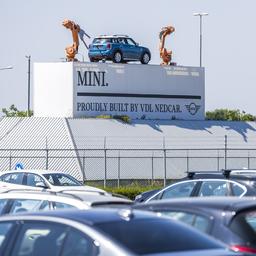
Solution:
(138, 91)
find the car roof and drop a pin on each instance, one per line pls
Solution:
(225, 174)
(97, 199)
(113, 36)
(89, 198)
(233, 204)
(36, 171)
(38, 195)
(94, 215)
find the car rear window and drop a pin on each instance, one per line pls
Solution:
(157, 236)
(101, 40)
(244, 225)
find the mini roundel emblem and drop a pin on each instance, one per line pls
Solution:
(192, 108)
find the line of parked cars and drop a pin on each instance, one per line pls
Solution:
(51, 213)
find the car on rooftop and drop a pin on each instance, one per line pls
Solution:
(105, 232)
(207, 183)
(46, 179)
(229, 219)
(119, 49)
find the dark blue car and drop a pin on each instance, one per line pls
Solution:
(119, 49)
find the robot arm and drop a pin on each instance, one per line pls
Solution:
(165, 55)
(72, 50)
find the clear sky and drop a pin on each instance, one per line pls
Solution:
(33, 27)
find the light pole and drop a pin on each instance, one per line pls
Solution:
(201, 14)
(28, 57)
(8, 67)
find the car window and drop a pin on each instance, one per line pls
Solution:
(25, 205)
(59, 179)
(122, 40)
(150, 236)
(101, 40)
(15, 178)
(5, 228)
(214, 188)
(130, 41)
(78, 244)
(244, 225)
(199, 222)
(33, 179)
(237, 190)
(179, 190)
(3, 203)
(39, 239)
(45, 206)
(57, 205)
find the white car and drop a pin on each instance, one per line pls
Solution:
(46, 179)
(19, 200)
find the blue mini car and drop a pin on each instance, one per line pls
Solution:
(119, 49)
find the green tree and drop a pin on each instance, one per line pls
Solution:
(14, 112)
(229, 115)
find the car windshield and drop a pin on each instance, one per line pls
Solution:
(244, 225)
(60, 179)
(156, 236)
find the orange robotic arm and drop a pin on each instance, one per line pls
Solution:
(165, 55)
(72, 50)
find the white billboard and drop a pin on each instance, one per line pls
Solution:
(138, 91)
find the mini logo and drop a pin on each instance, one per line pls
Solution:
(192, 108)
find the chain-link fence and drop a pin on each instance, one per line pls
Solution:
(117, 166)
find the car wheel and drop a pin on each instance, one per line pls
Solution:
(117, 57)
(93, 60)
(145, 58)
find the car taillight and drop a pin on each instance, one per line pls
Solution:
(242, 248)
(108, 46)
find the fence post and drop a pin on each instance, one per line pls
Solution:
(152, 169)
(10, 161)
(47, 154)
(218, 161)
(83, 167)
(187, 161)
(105, 163)
(118, 170)
(164, 149)
(225, 152)
(248, 166)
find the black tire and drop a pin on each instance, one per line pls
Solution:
(117, 57)
(145, 58)
(93, 60)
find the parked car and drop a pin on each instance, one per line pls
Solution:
(29, 201)
(16, 201)
(199, 184)
(229, 219)
(47, 179)
(102, 232)
(119, 49)
(145, 195)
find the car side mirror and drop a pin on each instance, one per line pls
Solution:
(137, 44)
(41, 185)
